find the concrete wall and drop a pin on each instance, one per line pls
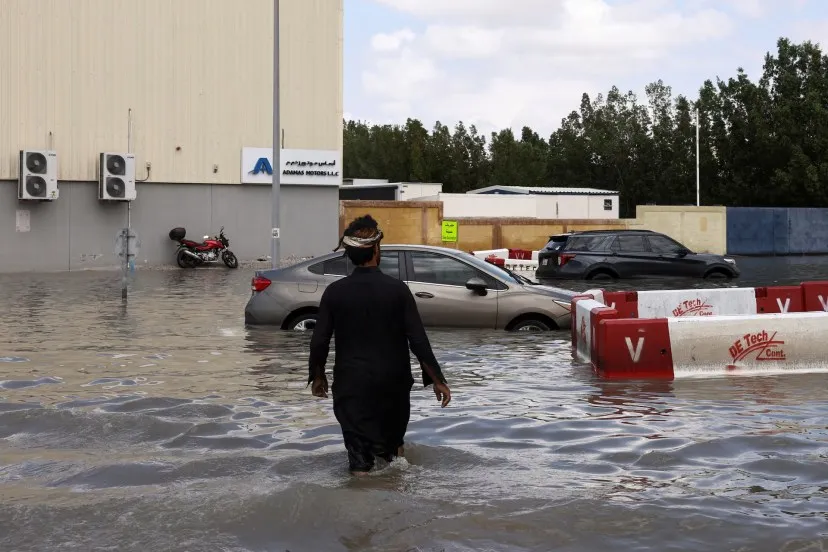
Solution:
(547, 207)
(78, 232)
(702, 229)
(419, 222)
(197, 74)
(777, 231)
(401, 222)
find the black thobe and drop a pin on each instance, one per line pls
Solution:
(374, 320)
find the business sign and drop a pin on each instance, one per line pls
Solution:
(298, 167)
(449, 231)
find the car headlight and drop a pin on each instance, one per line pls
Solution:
(731, 261)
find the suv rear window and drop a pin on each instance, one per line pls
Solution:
(588, 243)
(556, 242)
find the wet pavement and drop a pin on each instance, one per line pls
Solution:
(166, 425)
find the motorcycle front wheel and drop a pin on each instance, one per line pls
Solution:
(230, 259)
(183, 260)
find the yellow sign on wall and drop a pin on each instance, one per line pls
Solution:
(450, 231)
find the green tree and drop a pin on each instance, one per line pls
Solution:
(762, 143)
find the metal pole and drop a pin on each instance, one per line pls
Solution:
(124, 283)
(277, 144)
(698, 187)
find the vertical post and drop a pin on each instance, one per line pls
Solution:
(275, 232)
(124, 282)
(698, 187)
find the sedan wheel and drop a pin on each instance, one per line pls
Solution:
(304, 323)
(531, 326)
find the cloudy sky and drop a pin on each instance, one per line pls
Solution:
(500, 63)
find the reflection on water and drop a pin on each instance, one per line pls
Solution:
(167, 425)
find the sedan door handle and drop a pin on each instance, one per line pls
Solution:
(424, 295)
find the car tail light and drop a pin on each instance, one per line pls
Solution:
(565, 258)
(259, 283)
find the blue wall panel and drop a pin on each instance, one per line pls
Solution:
(751, 231)
(808, 231)
(777, 231)
(781, 231)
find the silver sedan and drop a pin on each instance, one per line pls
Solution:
(452, 289)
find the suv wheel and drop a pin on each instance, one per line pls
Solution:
(601, 275)
(717, 274)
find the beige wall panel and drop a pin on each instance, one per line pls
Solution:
(197, 75)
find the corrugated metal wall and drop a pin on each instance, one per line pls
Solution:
(196, 73)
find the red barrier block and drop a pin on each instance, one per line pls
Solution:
(633, 348)
(625, 302)
(815, 296)
(779, 299)
(520, 254)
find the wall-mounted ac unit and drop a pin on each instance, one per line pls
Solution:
(116, 177)
(38, 176)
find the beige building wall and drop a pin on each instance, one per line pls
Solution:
(197, 75)
(702, 229)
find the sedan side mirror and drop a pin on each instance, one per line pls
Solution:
(477, 285)
(683, 252)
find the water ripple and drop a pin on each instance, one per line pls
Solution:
(159, 426)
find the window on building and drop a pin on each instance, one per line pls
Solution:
(607, 205)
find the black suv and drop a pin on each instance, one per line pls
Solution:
(612, 254)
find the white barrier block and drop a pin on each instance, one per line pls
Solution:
(599, 296)
(583, 328)
(518, 265)
(499, 253)
(794, 342)
(696, 302)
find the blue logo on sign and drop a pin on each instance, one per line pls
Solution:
(262, 165)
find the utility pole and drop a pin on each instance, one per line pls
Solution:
(277, 146)
(698, 179)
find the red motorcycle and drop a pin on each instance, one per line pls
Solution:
(192, 254)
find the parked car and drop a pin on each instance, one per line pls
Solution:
(614, 254)
(452, 289)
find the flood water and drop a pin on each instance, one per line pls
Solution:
(166, 425)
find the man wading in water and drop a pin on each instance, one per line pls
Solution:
(375, 321)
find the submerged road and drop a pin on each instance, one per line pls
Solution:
(167, 425)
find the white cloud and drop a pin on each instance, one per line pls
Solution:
(500, 63)
(750, 8)
(391, 42)
(477, 10)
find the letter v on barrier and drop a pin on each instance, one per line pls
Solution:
(823, 302)
(783, 307)
(635, 353)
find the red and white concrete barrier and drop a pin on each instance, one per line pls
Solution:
(667, 348)
(675, 333)
(681, 303)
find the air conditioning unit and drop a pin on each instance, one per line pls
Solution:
(38, 175)
(116, 177)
